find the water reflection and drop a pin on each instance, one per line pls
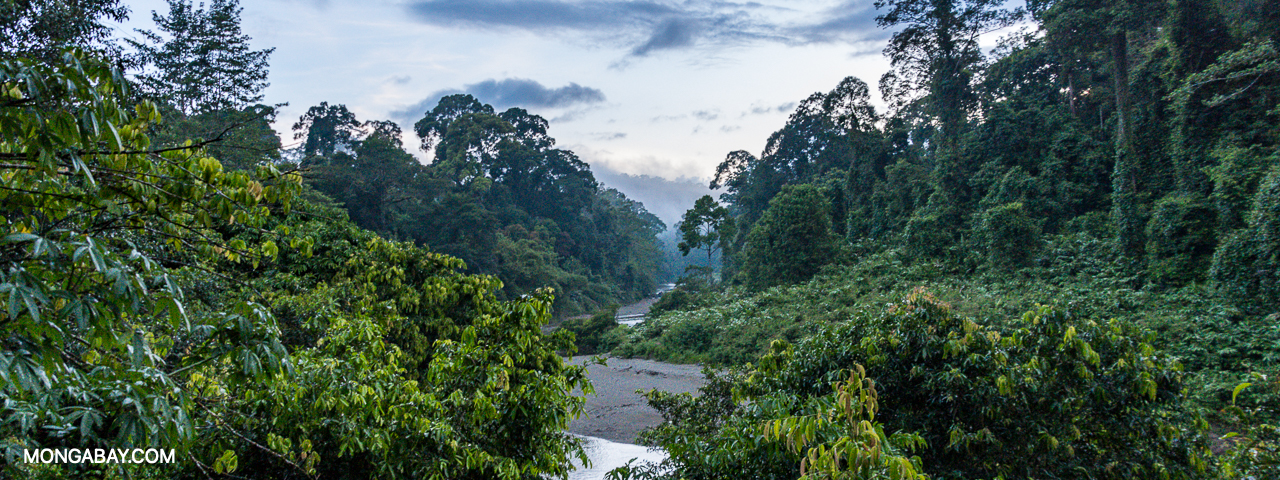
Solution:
(606, 455)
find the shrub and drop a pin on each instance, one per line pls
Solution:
(926, 236)
(1180, 239)
(1053, 396)
(792, 241)
(720, 435)
(1009, 236)
(1245, 265)
(588, 332)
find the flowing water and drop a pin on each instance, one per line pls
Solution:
(606, 455)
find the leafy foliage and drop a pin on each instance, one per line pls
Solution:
(706, 226)
(1049, 394)
(590, 333)
(1009, 236)
(792, 241)
(205, 65)
(497, 195)
(151, 298)
(729, 430)
(416, 371)
(40, 30)
(93, 310)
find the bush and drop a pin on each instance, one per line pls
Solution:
(590, 331)
(1050, 396)
(792, 241)
(1245, 266)
(720, 435)
(1009, 236)
(926, 236)
(1180, 239)
(1053, 396)
(690, 293)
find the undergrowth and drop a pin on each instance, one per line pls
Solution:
(1220, 346)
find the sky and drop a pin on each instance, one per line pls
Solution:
(639, 89)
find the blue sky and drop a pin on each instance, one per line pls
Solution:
(656, 88)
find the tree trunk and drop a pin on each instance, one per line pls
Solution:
(1124, 206)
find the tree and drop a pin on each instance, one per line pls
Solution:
(434, 124)
(327, 129)
(1009, 236)
(937, 51)
(792, 241)
(407, 368)
(1245, 263)
(1094, 28)
(206, 64)
(386, 130)
(100, 342)
(934, 59)
(706, 226)
(497, 195)
(371, 181)
(828, 132)
(240, 139)
(41, 29)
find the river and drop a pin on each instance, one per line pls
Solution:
(606, 456)
(617, 413)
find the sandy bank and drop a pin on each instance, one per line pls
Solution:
(617, 413)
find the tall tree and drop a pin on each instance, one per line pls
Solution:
(386, 130)
(934, 58)
(206, 63)
(827, 134)
(936, 51)
(433, 126)
(1079, 23)
(707, 226)
(40, 29)
(792, 241)
(327, 128)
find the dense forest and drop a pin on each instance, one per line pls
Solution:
(1053, 259)
(496, 195)
(173, 278)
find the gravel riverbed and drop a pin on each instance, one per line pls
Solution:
(617, 412)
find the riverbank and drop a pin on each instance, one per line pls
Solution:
(616, 412)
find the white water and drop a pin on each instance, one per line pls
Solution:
(636, 319)
(631, 322)
(606, 455)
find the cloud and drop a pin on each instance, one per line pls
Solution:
(538, 15)
(757, 109)
(645, 27)
(671, 34)
(703, 115)
(851, 22)
(706, 115)
(410, 114)
(730, 128)
(520, 92)
(401, 79)
(668, 199)
(507, 93)
(606, 136)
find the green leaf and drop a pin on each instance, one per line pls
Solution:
(1236, 392)
(19, 238)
